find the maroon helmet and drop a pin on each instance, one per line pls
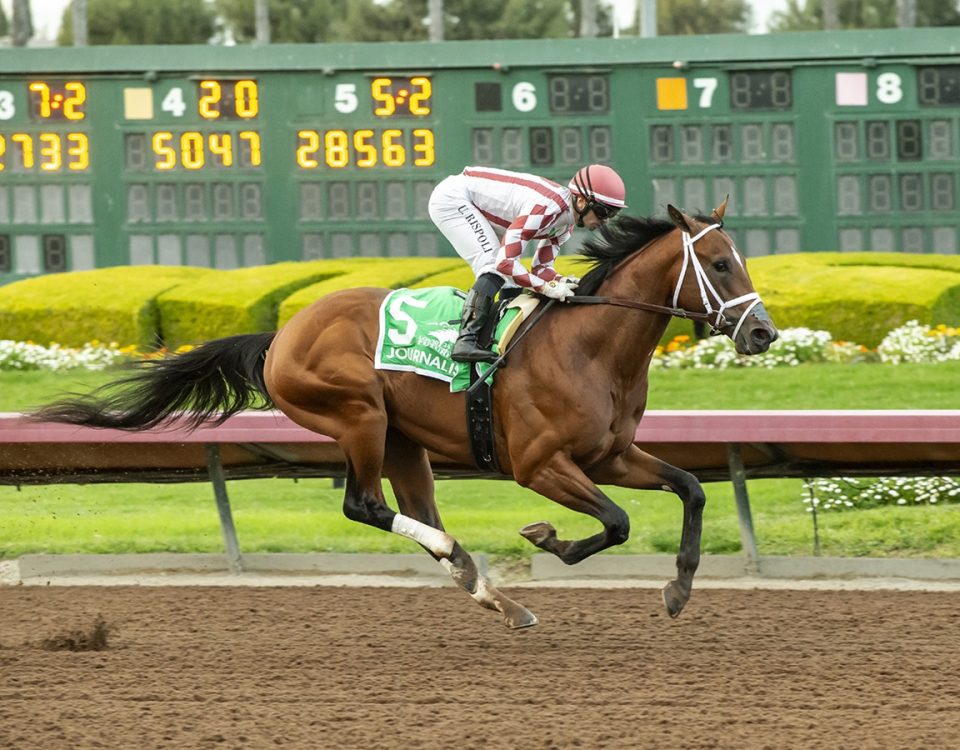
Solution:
(600, 184)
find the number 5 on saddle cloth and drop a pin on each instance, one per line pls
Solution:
(418, 328)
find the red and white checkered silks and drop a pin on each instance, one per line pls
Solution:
(517, 207)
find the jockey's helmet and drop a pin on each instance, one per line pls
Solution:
(600, 184)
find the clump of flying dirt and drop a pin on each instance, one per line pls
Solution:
(93, 639)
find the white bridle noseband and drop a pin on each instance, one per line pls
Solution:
(690, 259)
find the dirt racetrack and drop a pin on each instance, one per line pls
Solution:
(427, 668)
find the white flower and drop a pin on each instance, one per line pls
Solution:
(19, 355)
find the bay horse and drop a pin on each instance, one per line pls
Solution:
(565, 409)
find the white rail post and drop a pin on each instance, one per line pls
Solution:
(738, 476)
(219, 481)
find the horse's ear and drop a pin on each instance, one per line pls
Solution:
(720, 210)
(680, 218)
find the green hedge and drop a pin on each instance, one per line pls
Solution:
(110, 304)
(392, 273)
(856, 296)
(245, 300)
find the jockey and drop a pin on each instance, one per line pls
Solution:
(488, 215)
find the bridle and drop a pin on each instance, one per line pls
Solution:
(690, 259)
(717, 318)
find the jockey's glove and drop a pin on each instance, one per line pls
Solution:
(571, 281)
(557, 289)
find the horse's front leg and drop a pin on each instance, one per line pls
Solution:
(562, 481)
(641, 471)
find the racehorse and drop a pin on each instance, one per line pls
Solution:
(566, 408)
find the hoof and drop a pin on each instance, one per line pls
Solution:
(522, 619)
(673, 598)
(538, 533)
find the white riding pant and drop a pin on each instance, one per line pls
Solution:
(464, 226)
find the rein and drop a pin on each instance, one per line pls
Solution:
(677, 312)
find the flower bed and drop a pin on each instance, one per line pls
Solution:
(26, 355)
(844, 493)
(910, 342)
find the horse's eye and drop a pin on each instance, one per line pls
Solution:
(721, 266)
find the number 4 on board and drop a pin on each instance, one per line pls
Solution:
(173, 102)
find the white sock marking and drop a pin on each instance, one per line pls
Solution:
(438, 542)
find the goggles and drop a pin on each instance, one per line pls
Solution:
(602, 211)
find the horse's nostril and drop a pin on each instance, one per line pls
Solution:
(760, 336)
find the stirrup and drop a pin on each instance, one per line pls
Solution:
(474, 354)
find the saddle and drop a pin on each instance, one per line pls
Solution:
(511, 299)
(417, 330)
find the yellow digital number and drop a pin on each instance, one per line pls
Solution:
(336, 148)
(388, 104)
(420, 100)
(72, 103)
(221, 144)
(246, 100)
(3, 150)
(423, 145)
(26, 147)
(167, 156)
(253, 138)
(51, 157)
(209, 100)
(39, 87)
(79, 151)
(191, 150)
(366, 152)
(394, 154)
(309, 145)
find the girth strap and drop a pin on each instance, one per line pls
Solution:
(480, 423)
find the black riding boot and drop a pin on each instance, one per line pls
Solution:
(476, 312)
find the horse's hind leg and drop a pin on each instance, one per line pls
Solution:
(408, 468)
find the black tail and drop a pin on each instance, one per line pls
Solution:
(207, 384)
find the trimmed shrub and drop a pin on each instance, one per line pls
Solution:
(855, 296)
(245, 300)
(392, 273)
(858, 296)
(108, 304)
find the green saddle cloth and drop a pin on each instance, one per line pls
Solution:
(418, 328)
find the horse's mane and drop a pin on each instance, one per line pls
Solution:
(620, 239)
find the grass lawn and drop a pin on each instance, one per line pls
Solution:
(274, 515)
(819, 386)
